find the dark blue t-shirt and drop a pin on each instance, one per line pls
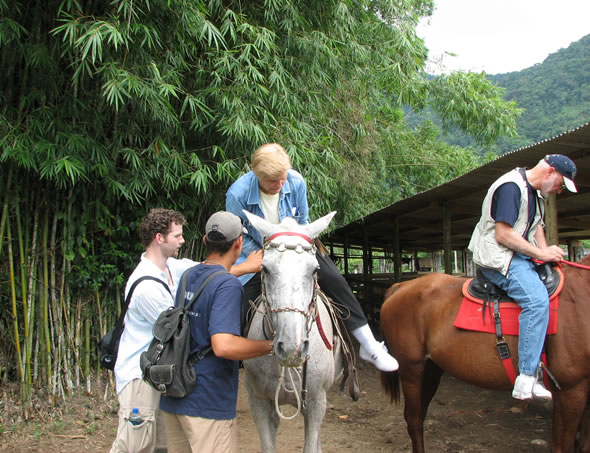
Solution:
(506, 204)
(217, 310)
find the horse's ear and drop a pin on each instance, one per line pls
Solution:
(265, 228)
(314, 229)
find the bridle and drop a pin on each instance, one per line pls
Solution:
(309, 314)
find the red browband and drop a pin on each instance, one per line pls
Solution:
(289, 233)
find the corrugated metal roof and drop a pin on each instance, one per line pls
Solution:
(420, 217)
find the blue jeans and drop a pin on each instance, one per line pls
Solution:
(526, 288)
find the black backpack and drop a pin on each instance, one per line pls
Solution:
(108, 346)
(168, 365)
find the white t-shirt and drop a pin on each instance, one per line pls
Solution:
(149, 299)
(270, 207)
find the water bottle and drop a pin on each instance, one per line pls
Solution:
(134, 417)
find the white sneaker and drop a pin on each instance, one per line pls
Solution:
(380, 358)
(527, 387)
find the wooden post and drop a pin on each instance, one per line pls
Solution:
(447, 239)
(366, 287)
(397, 256)
(551, 231)
(468, 264)
(345, 254)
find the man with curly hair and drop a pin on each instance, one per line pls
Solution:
(160, 232)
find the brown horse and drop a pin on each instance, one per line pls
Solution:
(417, 321)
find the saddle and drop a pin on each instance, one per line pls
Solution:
(481, 288)
(480, 297)
(341, 337)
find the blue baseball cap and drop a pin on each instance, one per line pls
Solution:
(566, 167)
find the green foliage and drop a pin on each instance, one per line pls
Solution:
(111, 108)
(471, 102)
(552, 95)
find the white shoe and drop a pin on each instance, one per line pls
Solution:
(527, 387)
(380, 358)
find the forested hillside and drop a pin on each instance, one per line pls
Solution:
(554, 94)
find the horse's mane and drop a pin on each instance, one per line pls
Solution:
(289, 224)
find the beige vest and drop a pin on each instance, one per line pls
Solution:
(487, 252)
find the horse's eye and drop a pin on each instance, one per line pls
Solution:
(264, 269)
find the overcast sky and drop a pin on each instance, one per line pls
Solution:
(498, 36)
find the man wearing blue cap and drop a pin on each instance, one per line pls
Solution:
(205, 420)
(508, 236)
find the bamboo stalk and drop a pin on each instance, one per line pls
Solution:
(87, 353)
(53, 313)
(21, 371)
(65, 298)
(26, 353)
(31, 293)
(5, 208)
(45, 299)
(77, 341)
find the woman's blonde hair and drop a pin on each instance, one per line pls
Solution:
(270, 161)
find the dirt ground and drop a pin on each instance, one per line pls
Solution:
(461, 419)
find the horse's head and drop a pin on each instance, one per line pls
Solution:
(288, 275)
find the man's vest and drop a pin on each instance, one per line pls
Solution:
(487, 252)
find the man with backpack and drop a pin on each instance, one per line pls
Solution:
(205, 420)
(160, 232)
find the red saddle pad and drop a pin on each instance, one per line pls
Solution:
(470, 316)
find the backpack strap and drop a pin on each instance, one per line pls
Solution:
(180, 296)
(180, 299)
(119, 325)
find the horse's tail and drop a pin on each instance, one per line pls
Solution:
(390, 380)
(391, 385)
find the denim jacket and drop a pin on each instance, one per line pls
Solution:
(244, 193)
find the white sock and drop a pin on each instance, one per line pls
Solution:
(365, 337)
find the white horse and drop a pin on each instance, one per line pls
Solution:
(303, 368)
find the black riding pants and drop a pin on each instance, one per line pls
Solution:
(331, 282)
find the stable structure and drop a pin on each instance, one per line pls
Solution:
(440, 221)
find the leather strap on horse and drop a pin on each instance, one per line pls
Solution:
(350, 371)
(304, 386)
(501, 345)
(289, 233)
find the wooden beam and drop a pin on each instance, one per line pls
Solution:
(397, 256)
(346, 272)
(551, 226)
(447, 239)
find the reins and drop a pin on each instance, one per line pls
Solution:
(309, 315)
(560, 262)
(569, 263)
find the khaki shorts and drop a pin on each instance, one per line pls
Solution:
(197, 435)
(145, 437)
